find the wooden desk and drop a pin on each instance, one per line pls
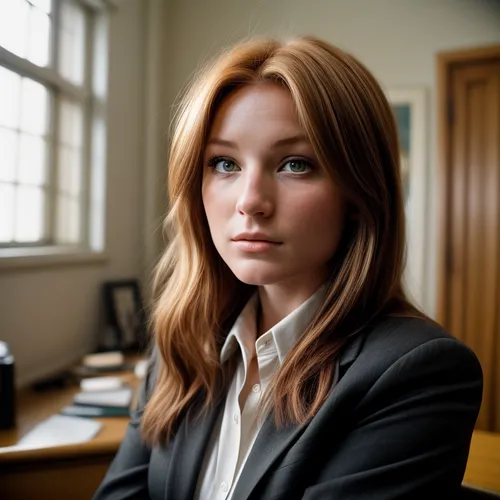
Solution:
(60, 472)
(483, 467)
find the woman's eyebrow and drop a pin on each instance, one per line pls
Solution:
(222, 142)
(291, 140)
(279, 143)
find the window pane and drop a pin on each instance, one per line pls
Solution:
(32, 160)
(29, 214)
(45, 5)
(39, 37)
(62, 228)
(6, 212)
(13, 25)
(10, 98)
(34, 107)
(71, 123)
(68, 220)
(70, 174)
(74, 221)
(8, 154)
(72, 46)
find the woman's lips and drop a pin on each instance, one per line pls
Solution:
(255, 246)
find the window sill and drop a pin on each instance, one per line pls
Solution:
(43, 257)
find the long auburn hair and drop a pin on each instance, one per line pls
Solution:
(351, 127)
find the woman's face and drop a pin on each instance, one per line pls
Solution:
(274, 215)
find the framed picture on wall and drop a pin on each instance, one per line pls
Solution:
(409, 107)
(125, 313)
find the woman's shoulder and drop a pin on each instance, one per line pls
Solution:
(404, 333)
(391, 338)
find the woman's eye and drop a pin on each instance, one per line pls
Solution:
(223, 166)
(296, 166)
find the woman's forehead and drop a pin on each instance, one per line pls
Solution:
(264, 110)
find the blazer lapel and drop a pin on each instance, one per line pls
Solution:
(190, 444)
(351, 351)
(269, 445)
(271, 442)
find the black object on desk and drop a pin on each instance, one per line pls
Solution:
(7, 391)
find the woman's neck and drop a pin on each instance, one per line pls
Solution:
(278, 301)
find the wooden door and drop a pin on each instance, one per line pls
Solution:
(469, 294)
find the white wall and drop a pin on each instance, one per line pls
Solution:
(51, 316)
(396, 39)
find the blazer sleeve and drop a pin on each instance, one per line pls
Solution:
(127, 476)
(413, 435)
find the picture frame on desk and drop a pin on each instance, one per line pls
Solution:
(125, 314)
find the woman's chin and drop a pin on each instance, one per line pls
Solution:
(257, 278)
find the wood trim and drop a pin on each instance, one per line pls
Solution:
(470, 55)
(77, 480)
(445, 63)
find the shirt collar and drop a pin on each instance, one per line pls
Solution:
(243, 331)
(285, 334)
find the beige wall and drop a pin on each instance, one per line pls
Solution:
(396, 39)
(50, 316)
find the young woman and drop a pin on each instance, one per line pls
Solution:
(288, 362)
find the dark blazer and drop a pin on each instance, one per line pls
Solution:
(397, 425)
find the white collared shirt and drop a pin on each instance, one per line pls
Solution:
(236, 429)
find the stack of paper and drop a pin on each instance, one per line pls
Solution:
(110, 403)
(117, 398)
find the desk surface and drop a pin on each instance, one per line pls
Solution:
(33, 407)
(483, 467)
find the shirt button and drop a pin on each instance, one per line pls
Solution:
(256, 388)
(224, 487)
(236, 418)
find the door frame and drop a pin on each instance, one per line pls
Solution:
(446, 62)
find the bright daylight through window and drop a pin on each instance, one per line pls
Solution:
(47, 114)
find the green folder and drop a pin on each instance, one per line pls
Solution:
(94, 411)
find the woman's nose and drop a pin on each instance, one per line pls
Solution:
(255, 197)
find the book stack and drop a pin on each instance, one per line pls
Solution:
(101, 400)
(95, 365)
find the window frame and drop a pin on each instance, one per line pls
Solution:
(93, 103)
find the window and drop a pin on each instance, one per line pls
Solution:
(49, 115)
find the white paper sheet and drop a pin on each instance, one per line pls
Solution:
(118, 397)
(58, 430)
